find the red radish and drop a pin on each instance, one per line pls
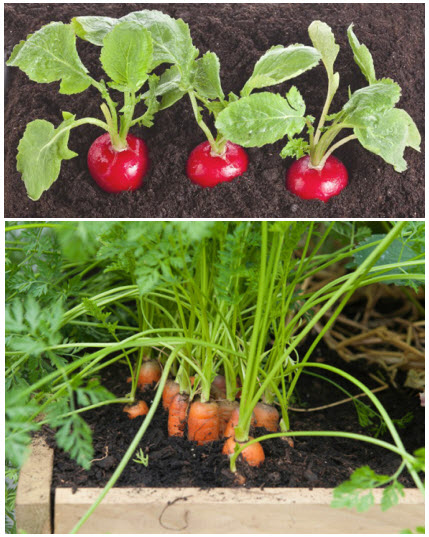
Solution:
(208, 169)
(116, 171)
(311, 183)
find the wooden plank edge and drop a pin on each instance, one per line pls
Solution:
(230, 511)
(33, 495)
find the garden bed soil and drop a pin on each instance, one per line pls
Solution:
(239, 34)
(314, 462)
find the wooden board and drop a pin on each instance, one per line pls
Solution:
(33, 495)
(233, 511)
(194, 511)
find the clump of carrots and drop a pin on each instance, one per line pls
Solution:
(215, 419)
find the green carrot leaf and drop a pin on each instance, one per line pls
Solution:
(362, 57)
(50, 55)
(357, 491)
(40, 152)
(207, 78)
(391, 495)
(279, 64)
(126, 56)
(259, 119)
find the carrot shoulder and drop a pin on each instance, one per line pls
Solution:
(171, 389)
(266, 416)
(177, 415)
(150, 373)
(139, 409)
(226, 409)
(203, 422)
(254, 454)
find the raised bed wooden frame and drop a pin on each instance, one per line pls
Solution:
(195, 511)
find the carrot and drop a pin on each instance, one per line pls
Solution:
(177, 415)
(233, 422)
(170, 390)
(225, 410)
(203, 422)
(139, 409)
(218, 387)
(253, 454)
(266, 416)
(150, 372)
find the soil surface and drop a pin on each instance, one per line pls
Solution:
(239, 34)
(313, 462)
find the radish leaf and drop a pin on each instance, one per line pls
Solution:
(40, 152)
(261, 118)
(50, 55)
(279, 64)
(368, 103)
(389, 136)
(126, 56)
(324, 41)
(93, 29)
(362, 56)
(206, 78)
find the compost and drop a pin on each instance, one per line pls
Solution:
(313, 462)
(239, 34)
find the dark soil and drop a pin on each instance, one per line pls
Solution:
(239, 34)
(314, 462)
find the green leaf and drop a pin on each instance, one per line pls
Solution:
(50, 55)
(323, 40)
(93, 29)
(18, 426)
(40, 152)
(296, 148)
(388, 137)
(398, 252)
(75, 437)
(391, 495)
(151, 102)
(356, 492)
(366, 105)
(207, 78)
(259, 119)
(419, 454)
(126, 56)
(172, 42)
(279, 64)
(362, 56)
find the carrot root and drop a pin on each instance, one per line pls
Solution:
(139, 409)
(203, 422)
(226, 409)
(171, 389)
(150, 373)
(177, 415)
(254, 454)
(266, 416)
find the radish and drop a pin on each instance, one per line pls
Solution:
(263, 118)
(115, 171)
(117, 160)
(207, 168)
(309, 182)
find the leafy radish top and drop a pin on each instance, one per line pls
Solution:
(200, 78)
(127, 56)
(263, 118)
